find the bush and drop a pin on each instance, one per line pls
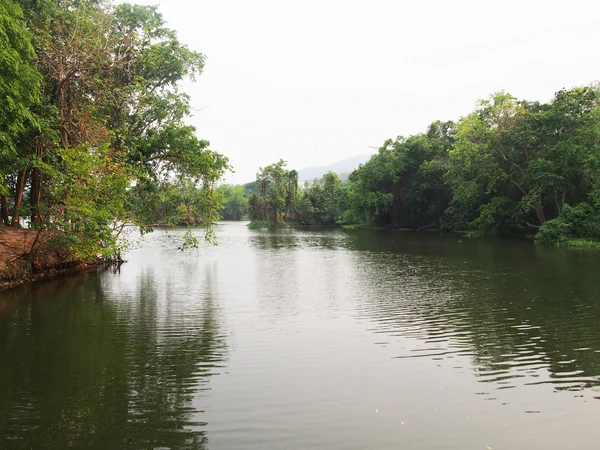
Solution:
(257, 224)
(574, 222)
(495, 218)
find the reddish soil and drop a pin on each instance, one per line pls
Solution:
(14, 242)
(18, 263)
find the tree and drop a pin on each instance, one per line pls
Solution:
(111, 103)
(510, 166)
(276, 190)
(402, 185)
(531, 155)
(19, 92)
(235, 202)
(322, 203)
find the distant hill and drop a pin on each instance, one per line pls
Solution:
(342, 168)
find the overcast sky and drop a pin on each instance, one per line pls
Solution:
(313, 82)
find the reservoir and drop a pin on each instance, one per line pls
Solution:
(308, 339)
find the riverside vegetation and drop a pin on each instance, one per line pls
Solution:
(509, 167)
(93, 132)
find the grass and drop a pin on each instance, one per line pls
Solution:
(360, 226)
(581, 243)
(261, 224)
(258, 224)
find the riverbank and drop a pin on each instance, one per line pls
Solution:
(27, 255)
(580, 243)
(263, 224)
(573, 243)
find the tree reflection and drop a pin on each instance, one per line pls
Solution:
(83, 370)
(518, 310)
(289, 239)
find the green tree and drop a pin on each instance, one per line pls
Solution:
(508, 167)
(322, 203)
(235, 202)
(110, 96)
(19, 92)
(402, 185)
(276, 190)
(532, 156)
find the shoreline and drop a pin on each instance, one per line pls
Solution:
(570, 244)
(48, 275)
(15, 270)
(24, 260)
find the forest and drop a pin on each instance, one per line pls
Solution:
(510, 167)
(93, 130)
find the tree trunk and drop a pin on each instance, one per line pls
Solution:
(19, 188)
(36, 190)
(539, 212)
(64, 116)
(274, 219)
(4, 209)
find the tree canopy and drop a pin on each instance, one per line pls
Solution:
(92, 119)
(509, 167)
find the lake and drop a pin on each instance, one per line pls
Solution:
(308, 339)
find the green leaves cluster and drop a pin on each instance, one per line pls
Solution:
(511, 166)
(275, 196)
(402, 185)
(235, 202)
(19, 86)
(93, 123)
(508, 167)
(170, 203)
(322, 203)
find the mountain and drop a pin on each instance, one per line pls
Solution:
(342, 168)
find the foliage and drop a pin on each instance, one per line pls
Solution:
(275, 195)
(582, 243)
(90, 187)
(360, 226)
(19, 81)
(305, 211)
(495, 217)
(581, 221)
(169, 203)
(535, 156)
(249, 188)
(106, 144)
(258, 224)
(402, 185)
(322, 203)
(235, 202)
(508, 167)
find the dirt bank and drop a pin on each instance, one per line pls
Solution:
(27, 255)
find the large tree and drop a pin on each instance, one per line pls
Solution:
(276, 190)
(111, 116)
(19, 92)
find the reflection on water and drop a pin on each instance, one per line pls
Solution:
(309, 339)
(90, 363)
(516, 311)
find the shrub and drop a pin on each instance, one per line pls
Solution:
(580, 221)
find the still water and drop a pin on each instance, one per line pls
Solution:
(319, 339)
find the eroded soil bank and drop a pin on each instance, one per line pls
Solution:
(27, 255)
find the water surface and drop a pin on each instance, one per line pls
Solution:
(309, 339)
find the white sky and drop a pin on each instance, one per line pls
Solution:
(313, 82)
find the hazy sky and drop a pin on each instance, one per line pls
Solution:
(313, 82)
